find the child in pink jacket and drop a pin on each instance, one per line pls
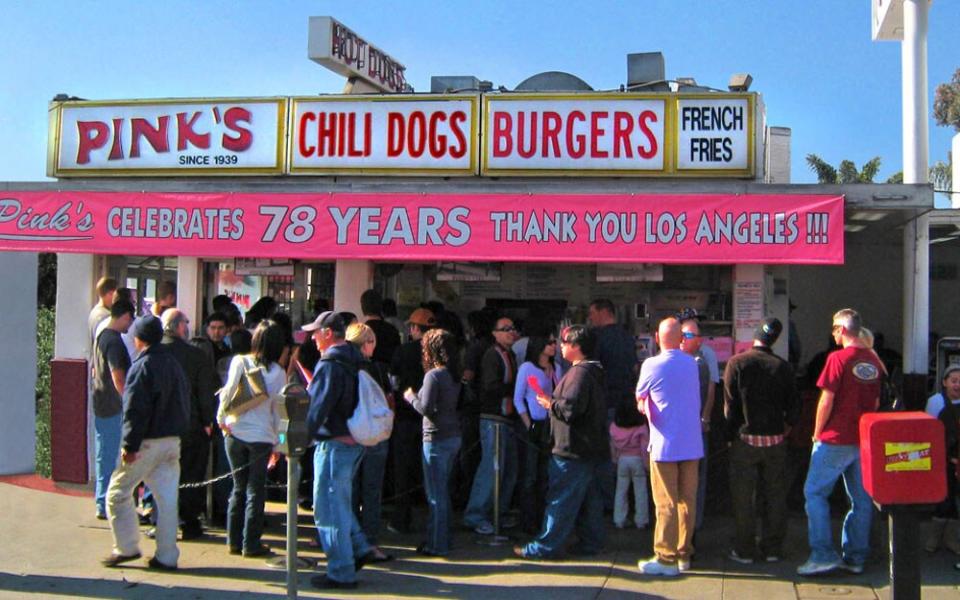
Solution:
(629, 438)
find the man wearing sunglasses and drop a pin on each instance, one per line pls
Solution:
(498, 374)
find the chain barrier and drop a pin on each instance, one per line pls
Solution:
(200, 484)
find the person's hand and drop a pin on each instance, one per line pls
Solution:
(642, 405)
(127, 457)
(409, 395)
(225, 428)
(544, 401)
(705, 425)
(208, 430)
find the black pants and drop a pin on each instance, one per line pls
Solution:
(750, 468)
(194, 452)
(407, 458)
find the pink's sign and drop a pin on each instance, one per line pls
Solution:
(657, 228)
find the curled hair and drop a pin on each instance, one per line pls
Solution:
(440, 350)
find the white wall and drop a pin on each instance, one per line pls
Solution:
(18, 363)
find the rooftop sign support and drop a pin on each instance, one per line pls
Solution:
(335, 46)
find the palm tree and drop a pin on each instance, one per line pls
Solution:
(847, 173)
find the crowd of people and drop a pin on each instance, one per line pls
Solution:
(545, 430)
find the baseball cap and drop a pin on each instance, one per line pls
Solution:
(768, 331)
(327, 320)
(950, 369)
(148, 329)
(422, 316)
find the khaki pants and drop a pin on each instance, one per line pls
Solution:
(158, 466)
(674, 486)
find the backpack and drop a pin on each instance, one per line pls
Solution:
(372, 420)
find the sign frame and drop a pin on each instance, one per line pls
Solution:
(750, 133)
(473, 136)
(55, 138)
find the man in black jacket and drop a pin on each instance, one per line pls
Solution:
(195, 441)
(581, 447)
(156, 411)
(760, 406)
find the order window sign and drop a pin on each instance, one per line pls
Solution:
(713, 134)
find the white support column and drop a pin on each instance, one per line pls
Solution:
(353, 278)
(18, 369)
(916, 236)
(955, 154)
(190, 290)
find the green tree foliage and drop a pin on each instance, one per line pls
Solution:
(47, 280)
(946, 103)
(46, 325)
(846, 173)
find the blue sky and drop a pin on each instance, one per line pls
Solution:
(813, 61)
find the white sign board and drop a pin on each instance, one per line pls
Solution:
(713, 134)
(336, 47)
(402, 135)
(157, 137)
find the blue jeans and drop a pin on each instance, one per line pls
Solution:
(829, 462)
(334, 465)
(109, 431)
(480, 508)
(438, 459)
(573, 501)
(368, 489)
(245, 509)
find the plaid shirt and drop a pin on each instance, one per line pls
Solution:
(762, 441)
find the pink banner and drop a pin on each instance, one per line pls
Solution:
(662, 228)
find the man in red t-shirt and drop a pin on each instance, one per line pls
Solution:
(849, 386)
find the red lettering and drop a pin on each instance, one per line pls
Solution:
(622, 128)
(367, 133)
(521, 133)
(438, 143)
(156, 137)
(416, 134)
(231, 120)
(651, 150)
(502, 140)
(326, 133)
(341, 126)
(306, 150)
(185, 133)
(93, 136)
(552, 124)
(352, 128)
(460, 149)
(596, 133)
(116, 151)
(396, 132)
(575, 151)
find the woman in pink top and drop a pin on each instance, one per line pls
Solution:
(629, 438)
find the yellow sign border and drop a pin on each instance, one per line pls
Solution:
(55, 136)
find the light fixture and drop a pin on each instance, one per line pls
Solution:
(854, 227)
(868, 215)
(740, 82)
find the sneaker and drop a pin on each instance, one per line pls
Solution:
(850, 567)
(812, 567)
(655, 567)
(325, 583)
(101, 515)
(484, 529)
(619, 525)
(772, 558)
(153, 563)
(743, 560)
(115, 560)
(683, 565)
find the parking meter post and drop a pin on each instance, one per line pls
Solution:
(904, 553)
(293, 479)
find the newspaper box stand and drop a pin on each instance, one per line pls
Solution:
(904, 468)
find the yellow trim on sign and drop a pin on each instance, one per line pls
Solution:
(471, 169)
(222, 170)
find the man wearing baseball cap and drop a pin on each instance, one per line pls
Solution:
(156, 411)
(760, 406)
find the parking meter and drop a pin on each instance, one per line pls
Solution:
(294, 437)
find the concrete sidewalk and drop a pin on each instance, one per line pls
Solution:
(51, 544)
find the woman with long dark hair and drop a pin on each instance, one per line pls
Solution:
(250, 437)
(437, 402)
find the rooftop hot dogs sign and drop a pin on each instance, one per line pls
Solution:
(589, 134)
(607, 228)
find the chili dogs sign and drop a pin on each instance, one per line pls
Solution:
(605, 134)
(163, 137)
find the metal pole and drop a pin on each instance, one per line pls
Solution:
(496, 479)
(293, 479)
(904, 554)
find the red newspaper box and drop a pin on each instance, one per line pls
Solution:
(903, 458)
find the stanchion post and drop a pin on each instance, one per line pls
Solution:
(293, 479)
(904, 553)
(496, 479)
